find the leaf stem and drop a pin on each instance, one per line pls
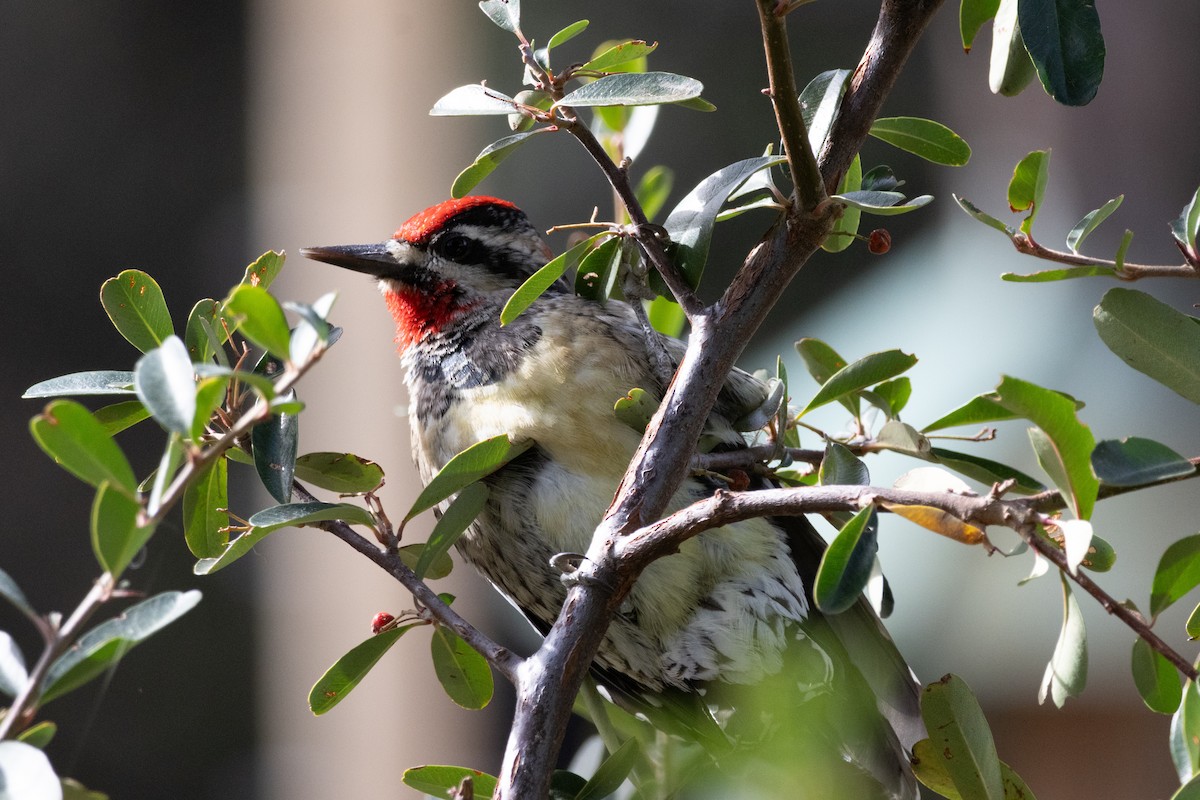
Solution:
(1026, 245)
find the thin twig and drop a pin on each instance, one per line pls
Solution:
(1126, 271)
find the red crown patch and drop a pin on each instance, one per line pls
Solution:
(423, 225)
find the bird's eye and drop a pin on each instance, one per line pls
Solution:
(455, 247)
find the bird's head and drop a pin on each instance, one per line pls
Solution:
(446, 260)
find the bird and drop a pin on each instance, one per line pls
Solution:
(734, 606)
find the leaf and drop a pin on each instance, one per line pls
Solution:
(1135, 461)
(258, 381)
(463, 673)
(452, 524)
(895, 393)
(101, 382)
(883, 204)
(637, 407)
(598, 271)
(1177, 574)
(344, 473)
(1011, 69)
(486, 162)
(13, 674)
(634, 89)
(612, 772)
(567, 34)
(1189, 791)
(116, 537)
(619, 55)
(236, 548)
(103, 646)
(841, 235)
(1156, 679)
(667, 317)
(1077, 540)
(962, 739)
(313, 330)
(1028, 186)
(1090, 222)
(263, 271)
(297, 514)
(986, 471)
(840, 467)
(261, 319)
(1066, 273)
(866, 371)
(691, 222)
(1064, 40)
(438, 780)
(134, 302)
(901, 437)
(1065, 451)
(1184, 227)
(1153, 338)
(986, 219)
(70, 435)
(166, 385)
(39, 735)
(930, 768)
(505, 13)
(274, 443)
(972, 14)
(537, 283)
(820, 102)
(11, 592)
(982, 408)
(210, 394)
(472, 100)
(204, 516)
(939, 521)
(26, 774)
(477, 461)
(846, 564)
(930, 140)
(653, 190)
(1192, 626)
(1185, 734)
(1066, 674)
(332, 687)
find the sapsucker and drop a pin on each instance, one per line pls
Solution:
(734, 605)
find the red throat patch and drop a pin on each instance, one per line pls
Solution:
(421, 312)
(421, 226)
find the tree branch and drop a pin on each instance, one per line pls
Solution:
(1126, 271)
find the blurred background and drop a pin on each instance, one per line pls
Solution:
(187, 138)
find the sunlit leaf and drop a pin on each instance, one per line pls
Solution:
(1153, 338)
(885, 204)
(452, 524)
(820, 102)
(505, 13)
(262, 320)
(1066, 674)
(344, 473)
(1177, 574)
(537, 283)
(439, 780)
(69, 434)
(598, 271)
(477, 461)
(116, 537)
(463, 673)
(1090, 222)
(939, 521)
(204, 516)
(486, 162)
(1186, 226)
(166, 385)
(1156, 679)
(634, 89)
(1028, 186)
(567, 34)
(619, 55)
(972, 14)
(346, 673)
(101, 382)
(134, 302)
(1065, 273)
(473, 99)
(846, 565)
(986, 471)
(26, 773)
(986, 219)
(865, 372)
(930, 140)
(1011, 69)
(962, 739)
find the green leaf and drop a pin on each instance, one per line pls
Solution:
(567, 34)
(930, 768)
(505, 13)
(867, 371)
(101, 382)
(116, 537)
(103, 646)
(477, 461)
(1122, 249)
(1011, 68)
(962, 739)
(452, 524)
(442, 566)
(901, 437)
(634, 89)
(263, 271)
(134, 302)
(204, 516)
(986, 219)
(1185, 227)
(1185, 734)
(472, 100)
(609, 776)
(1068, 457)
(70, 435)
(972, 14)
(895, 393)
(840, 467)
(598, 271)
(537, 283)
(653, 190)
(313, 330)
(275, 442)
(13, 673)
(1134, 461)
(883, 204)
(1192, 626)
(259, 382)
(332, 687)
(26, 773)
(1153, 338)
(1028, 186)
(344, 473)
(1064, 40)
(463, 673)
(619, 55)
(438, 780)
(820, 102)
(1090, 222)
(262, 320)
(691, 222)
(236, 548)
(166, 385)
(841, 235)
(846, 564)
(296, 514)
(200, 333)
(987, 471)
(930, 140)
(1189, 791)
(1066, 674)
(11, 592)
(822, 361)
(1177, 574)
(210, 394)
(39, 735)
(486, 162)
(1156, 679)
(1066, 273)
(666, 316)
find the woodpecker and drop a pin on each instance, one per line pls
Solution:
(734, 605)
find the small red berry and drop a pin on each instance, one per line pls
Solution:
(879, 242)
(380, 621)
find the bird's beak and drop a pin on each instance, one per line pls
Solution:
(373, 259)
